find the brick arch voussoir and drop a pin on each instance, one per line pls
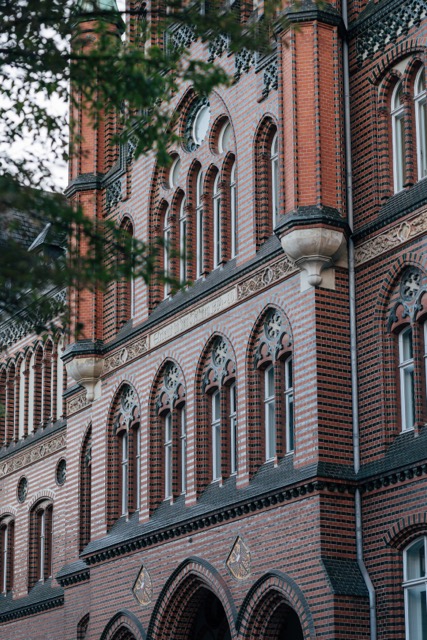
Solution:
(124, 620)
(402, 50)
(182, 586)
(256, 327)
(8, 510)
(262, 600)
(115, 394)
(44, 494)
(390, 79)
(405, 530)
(160, 370)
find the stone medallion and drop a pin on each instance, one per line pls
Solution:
(143, 587)
(239, 560)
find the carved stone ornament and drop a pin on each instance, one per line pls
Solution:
(19, 326)
(239, 560)
(143, 587)
(113, 194)
(119, 358)
(410, 284)
(265, 277)
(218, 46)
(77, 403)
(131, 148)
(391, 238)
(274, 330)
(221, 363)
(129, 411)
(38, 452)
(171, 387)
(270, 78)
(385, 26)
(183, 37)
(243, 61)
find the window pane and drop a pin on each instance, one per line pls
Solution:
(408, 384)
(270, 430)
(269, 382)
(290, 422)
(415, 561)
(417, 613)
(216, 406)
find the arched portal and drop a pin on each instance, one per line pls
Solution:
(123, 634)
(206, 618)
(282, 624)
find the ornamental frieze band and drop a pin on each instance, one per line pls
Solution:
(38, 452)
(391, 238)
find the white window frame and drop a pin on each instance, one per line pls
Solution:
(182, 242)
(274, 164)
(138, 468)
(174, 172)
(21, 406)
(233, 210)
(124, 443)
(233, 428)
(398, 131)
(42, 543)
(168, 455)
(183, 449)
(420, 99)
(59, 379)
(199, 225)
(31, 392)
(216, 202)
(216, 435)
(270, 426)
(406, 366)
(411, 585)
(225, 127)
(166, 251)
(5, 554)
(289, 406)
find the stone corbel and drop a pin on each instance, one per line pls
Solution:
(85, 365)
(315, 239)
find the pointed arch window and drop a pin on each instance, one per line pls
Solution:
(167, 235)
(420, 98)
(86, 490)
(233, 428)
(7, 541)
(216, 201)
(41, 542)
(199, 225)
(274, 163)
(233, 210)
(183, 265)
(398, 132)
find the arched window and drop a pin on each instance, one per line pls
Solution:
(12, 391)
(199, 225)
(274, 169)
(60, 379)
(421, 122)
(169, 436)
(22, 397)
(233, 211)
(217, 231)
(47, 382)
(272, 382)
(167, 236)
(398, 132)
(31, 397)
(415, 589)
(183, 258)
(125, 296)
(125, 456)
(86, 490)
(406, 369)
(7, 541)
(41, 521)
(38, 388)
(217, 415)
(3, 406)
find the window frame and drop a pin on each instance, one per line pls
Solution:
(183, 263)
(168, 455)
(420, 101)
(398, 138)
(233, 211)
(233, 427)
(270, 429)
(7, 539)
(409, 584)
(167, 234)
(199, 225)
(406, 365)
(217, 231)
(289, 405)
(183, 448)
(274, 168)
(216, 435)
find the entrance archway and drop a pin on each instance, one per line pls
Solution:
(123, 634)
(209, 619)
(283, 624)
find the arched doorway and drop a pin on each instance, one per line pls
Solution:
(209, 620)
(123, 634)
(283, 624)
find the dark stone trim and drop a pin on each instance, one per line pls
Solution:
(311, 215)
(345, 577)
(211, 518)
(74, 578)
(123, 615)
(397, 207)
(308, 11)
(84, 182)
(71, 391)
(374, 483)
(83, 348)
(372, 15)
(33, 438)
(41, 598)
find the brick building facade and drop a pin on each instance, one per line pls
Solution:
(245, 458)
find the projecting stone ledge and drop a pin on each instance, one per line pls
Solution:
(85, 363)
(315, 238)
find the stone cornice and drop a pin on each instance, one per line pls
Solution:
(68, 580)
(32, 609)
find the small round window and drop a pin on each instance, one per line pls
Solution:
(174, 172)
(201, 124)
(22, 489)
(61, 472)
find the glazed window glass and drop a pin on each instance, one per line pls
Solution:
(398, 131)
